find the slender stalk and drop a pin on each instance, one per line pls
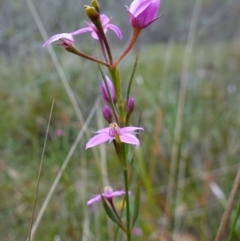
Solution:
(229, 207)
(73, 50)
(234, 222)
(118, 88)
(121, 212)
(63, 167)
(102, 36)
(115, 211)
(103, 48)
(129, 89)
(132, 76)
(107, 48)
(125, 173)
(135, 35)
(120, 148)
(39, 173)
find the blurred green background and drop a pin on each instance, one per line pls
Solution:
(189, 61)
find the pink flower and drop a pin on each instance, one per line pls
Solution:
(59, 132)
(111, 89)
(137, 231)
(109, 134)
(105, 24)
(107, 194)
(64, 39)
(143, 12)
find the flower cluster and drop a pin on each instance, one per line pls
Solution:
(118, 106)
(141, 14)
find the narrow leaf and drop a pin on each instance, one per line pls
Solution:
(136, 204)
(110, 213)
(132, 76)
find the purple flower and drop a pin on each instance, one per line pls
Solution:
(111, 89)
(109, 134)
(105, 24)
(64, 39)
(59, 132)
(137, 231)
(107, 194)
(143, 12)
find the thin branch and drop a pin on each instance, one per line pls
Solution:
(63, 167)
(229, 207)
(39, 172)
(181, 101)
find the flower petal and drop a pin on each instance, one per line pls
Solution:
(98, 139)
(138, 6)
(148, 15)
(114, 194)
(104, 20)
(57, 37)
(143, 12)
(81, 31)
(104, 130)
(93, 200)
(94, 35)
(116, 30)
(129, 129)
(129, 138)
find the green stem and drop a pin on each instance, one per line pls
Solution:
(132, 76)
(234, 222)
(103, 48)
(107, 48)
(125, 173)
(116, 213)
(74, 50)
(120, 149)
(135, 36)
(129, 89)
(102, 35)
(118, 89)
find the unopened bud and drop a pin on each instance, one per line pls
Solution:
(95, 4)
(131, 104)
(92, 13)
(107, 113)
(111, 90)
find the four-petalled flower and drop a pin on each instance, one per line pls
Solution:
(107, 194)
(109, 134)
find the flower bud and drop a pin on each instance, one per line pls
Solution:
(111, 89)
(63, 39)
(143, 12)
(131, 103)
(92, 13)
(107, 113)
(95, 4)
